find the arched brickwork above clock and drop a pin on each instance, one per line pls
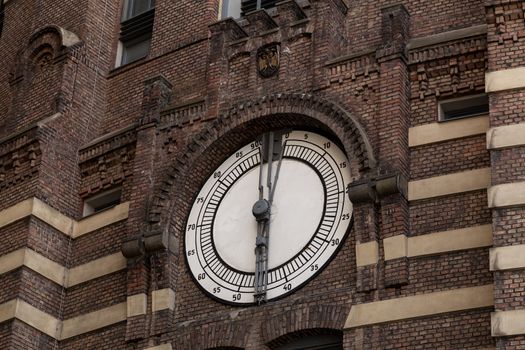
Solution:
(243, 123)
(293, 324)
(216, 336)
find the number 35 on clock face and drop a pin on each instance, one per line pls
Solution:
(308, 220)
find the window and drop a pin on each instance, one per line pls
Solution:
(101, 201)
(238, 8)
(231, 8)
(135, 30)
(462, 107)
(134, 8)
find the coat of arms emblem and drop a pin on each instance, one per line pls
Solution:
(268, 60)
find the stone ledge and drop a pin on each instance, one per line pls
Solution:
(366, 253)
(160, 347)
(162, 299)
(443, 185)
(506, 195)
(57, 329)
(506, 136)
(507, 258)
(505, 323)
(422, 305)
(35, 207)
(444, 131)
(58, 273)
(506, 79)
(452, 35)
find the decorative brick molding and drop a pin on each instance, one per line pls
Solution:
(345, 125)
(20, 157)
(302, 319)
(182, 115)
(430, 57)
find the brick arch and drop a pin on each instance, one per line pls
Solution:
(49, 40)
(308, 320)
(279, 110)
(222, 335)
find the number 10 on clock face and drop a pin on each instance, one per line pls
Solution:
(308, 217)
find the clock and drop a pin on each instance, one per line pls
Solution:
(269, 218)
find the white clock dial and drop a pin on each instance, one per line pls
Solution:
(310, 215)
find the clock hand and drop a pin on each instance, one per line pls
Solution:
(262, 212)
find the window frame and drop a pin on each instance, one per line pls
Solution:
(442, 112)
(102, 201)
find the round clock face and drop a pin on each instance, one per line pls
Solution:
(309, 214)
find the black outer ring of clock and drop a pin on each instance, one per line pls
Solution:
(296, 288)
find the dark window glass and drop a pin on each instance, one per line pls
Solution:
(136, 7)
(135, 36)
(462, 107)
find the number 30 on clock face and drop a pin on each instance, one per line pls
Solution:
(310, 216)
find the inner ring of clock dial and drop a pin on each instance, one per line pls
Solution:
(235, 230)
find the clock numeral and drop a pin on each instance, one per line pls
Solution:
(342, 165)
(216, 290)
(201, 276)
(191, 227)
(334, 242)
(238, 154)
(346, 216)
(314, 267)
(287, 135)
(191, 252)
(236, 297)
(287, 286)
(326, 145)
(255, 144)
(216, 174)
(200, 200)
(306, 136)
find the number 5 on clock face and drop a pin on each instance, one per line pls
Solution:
(308, 220)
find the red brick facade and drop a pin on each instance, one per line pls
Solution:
(368, 74)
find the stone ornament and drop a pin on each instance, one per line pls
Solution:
(268, 60)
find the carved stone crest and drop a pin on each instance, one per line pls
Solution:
(268, 60)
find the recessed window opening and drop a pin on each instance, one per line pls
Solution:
(238, 8)
(462, 107)
(135, 31)
(102, 201)
(134, 8)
